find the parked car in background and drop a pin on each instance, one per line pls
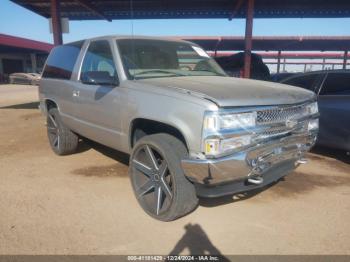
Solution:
(278, 77)
(36, 80)
(234, 64)
(24, 78)
(333, 91)
(4, 78)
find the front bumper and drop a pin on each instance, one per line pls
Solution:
(228, 175)
(242, 185)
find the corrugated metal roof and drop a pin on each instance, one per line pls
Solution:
(8, 42)
(159, 9)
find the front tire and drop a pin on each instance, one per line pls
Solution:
(62, 140)
(158, 180)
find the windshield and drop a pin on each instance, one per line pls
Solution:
(147, 58)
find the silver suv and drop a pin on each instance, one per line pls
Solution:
(189, 129)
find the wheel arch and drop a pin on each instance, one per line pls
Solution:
(149, 127)
(50, 103)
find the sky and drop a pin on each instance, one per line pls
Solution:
(18, 21)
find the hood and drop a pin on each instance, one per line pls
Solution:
(231, 91)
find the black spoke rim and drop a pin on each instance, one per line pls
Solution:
(152, 180)
(53, 131)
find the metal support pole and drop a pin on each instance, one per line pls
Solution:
(248, 39)
(56, 22)
(304, 68)
(345, 59)
(284, 65)
(278, 62)
(33, 62)
(323, 63)
(216, 47)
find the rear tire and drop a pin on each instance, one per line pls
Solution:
(62, 140)
(158, 180)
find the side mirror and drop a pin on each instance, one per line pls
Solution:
(99, 78)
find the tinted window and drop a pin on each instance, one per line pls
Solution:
(61, 61)
(336, 84)
(98, 58)
(306, 81)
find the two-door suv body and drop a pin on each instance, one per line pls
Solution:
(189, 129)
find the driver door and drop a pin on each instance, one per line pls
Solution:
(97, 106)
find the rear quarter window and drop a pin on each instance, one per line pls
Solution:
(61, 61)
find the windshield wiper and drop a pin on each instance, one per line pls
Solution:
(158, 71)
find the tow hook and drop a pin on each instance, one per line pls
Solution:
(255, 177)
(256, 180)
(301, 161)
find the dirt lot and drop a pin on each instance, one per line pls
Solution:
(83, 203)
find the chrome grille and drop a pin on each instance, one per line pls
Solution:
(274, 131)
(282, 130)
(281, 114)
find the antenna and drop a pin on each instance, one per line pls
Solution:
(132, 17)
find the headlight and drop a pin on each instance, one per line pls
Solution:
(217, 121)
(312, 108)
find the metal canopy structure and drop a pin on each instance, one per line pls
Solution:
(165, 9)
(160, 9)
(279, 44)
(273, 43)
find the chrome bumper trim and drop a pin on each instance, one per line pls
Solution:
(274, 174)
(253, 161)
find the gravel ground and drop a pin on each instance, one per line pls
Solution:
(84, 204)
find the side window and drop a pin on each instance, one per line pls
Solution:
(306, 81)
(98, 58)
(336, 84)
(61, 61)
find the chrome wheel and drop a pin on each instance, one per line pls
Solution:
(53, 131)
(152, 180)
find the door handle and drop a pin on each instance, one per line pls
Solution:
(76, 93)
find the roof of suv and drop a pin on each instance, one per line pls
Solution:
(117, 37)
